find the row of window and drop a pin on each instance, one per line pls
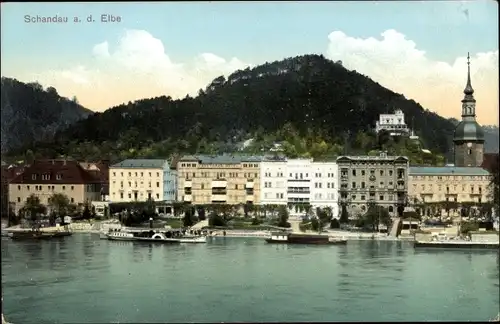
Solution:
(88, 187)
(217, 166)
(218, 175)
(72, 200)
(455, 188)
(137, 174)
(344, 172)
(135, 195)
(135, 184)
(46, 176)
(452, 177)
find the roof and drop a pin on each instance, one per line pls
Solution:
(468, 130)
(58, 172)
(369, 158)
(221, 159)
(447, 170)
(140, 164)
(491, 162)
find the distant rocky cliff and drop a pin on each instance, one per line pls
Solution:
(29, 113)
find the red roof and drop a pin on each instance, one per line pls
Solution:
(55, 172)
(491, 162)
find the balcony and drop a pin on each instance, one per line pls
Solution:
(188, 183)
(249, 185)
(188, 198)
(219, 198)
(219, 183)
(304, 192)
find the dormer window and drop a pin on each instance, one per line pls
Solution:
(45, 176)
(33, 177)
(58, 177)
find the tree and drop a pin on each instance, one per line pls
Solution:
(215, 219)
(344, 215)
(86, 215)
(283, 216)
(324, 217)
(34, 208)
(188, 220)
(494, 185)
(334, 224)
(376, 215)
(59, 204)
(201, 213)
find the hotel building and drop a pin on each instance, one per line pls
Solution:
(223, 179)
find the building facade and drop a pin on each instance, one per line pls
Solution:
(469, 136)
(393, 123)
(100, 170)
(438, 185)
(139, 180)
(273, 181)
(382, 180)
(44, 178)
(223, 179)
(299, 181)
(324, 187)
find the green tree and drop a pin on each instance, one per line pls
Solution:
(283, 216)
(376, 215)
(33, 208)
(86, 214)
(215, 219)
(188, 219)
(344, 215)
(59, 204)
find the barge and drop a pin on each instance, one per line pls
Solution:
(38, 235)
(457, 244)
(299, 238)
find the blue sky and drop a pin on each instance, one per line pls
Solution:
(253, 32)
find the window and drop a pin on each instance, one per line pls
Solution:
(157, 174)
(354, 172)
(157, 196)
(362, 172)
(18, 199)
(121, 184)
(354, 184)
(18, 187)
(362, 185)
(381, 172)
(121, 195)
(114, 174)
(63, 187)
(202, 186)
(58, 177)
(72, 200)
(391, 209)
(33, 177)
(390, 172)
(28, 187)
(157, 184)
(130, 195)
(130, 174)
(469, 152)
(381, 197)
(72, 187)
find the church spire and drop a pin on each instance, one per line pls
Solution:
(468, 103)
(468, 91)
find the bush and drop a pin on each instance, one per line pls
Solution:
(334, 224)
(216, 220)
(467, 227)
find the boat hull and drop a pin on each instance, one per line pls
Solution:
(38, 235)
(460, 245)
(144, 239)
(194, 240)
(308, 242)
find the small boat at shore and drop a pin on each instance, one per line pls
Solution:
(299, 238)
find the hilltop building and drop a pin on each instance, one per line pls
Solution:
(393, 123)
(223, 179)
(43, 178)
(469, 136)
(382, 180)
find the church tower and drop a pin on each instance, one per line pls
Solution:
(469, 136)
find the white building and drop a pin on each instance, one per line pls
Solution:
(273, 182)
(393, 123)
(138, 180)
(299, 181)
(324, 186)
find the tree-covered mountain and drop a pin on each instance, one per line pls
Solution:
(308, 103)
(31, 113)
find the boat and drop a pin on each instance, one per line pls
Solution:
(299, 238)
(444, 242)
(193, 239)
(140, 236)
(38, 235)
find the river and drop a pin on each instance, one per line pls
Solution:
(82, 279)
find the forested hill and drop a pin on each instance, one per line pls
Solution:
(29, 113)
(315, 97)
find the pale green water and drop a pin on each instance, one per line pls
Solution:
(86, 280)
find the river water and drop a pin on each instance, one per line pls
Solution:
(82, 279)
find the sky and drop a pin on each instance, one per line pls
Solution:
(416, 48)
